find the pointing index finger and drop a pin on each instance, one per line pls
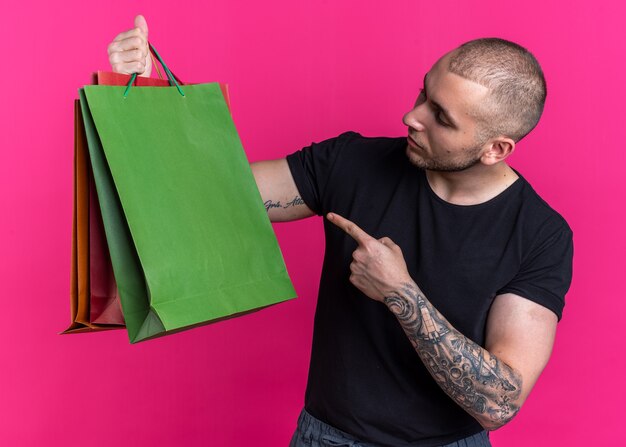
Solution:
(349, 227)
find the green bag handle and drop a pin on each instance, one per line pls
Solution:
(170, 76)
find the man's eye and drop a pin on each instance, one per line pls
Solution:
(440, 121)
(421, 99)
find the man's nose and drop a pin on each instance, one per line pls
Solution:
(412, 119)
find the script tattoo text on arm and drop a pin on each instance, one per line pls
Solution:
(297, 200)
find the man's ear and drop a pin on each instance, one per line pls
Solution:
(498, 149)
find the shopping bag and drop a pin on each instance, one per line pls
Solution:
(97, 306)
(189, 238)
(80, 221)
(83, 233)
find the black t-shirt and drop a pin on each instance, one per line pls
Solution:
(365, 378)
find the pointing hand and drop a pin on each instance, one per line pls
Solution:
(378, 267)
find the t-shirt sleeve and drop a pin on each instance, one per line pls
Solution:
(312, 168)
(546, 272)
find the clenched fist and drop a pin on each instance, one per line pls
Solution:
(129, 52)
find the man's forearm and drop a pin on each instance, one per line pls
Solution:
(478, 381)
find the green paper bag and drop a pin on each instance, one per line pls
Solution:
(189, 237)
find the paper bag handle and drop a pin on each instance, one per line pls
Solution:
(173, 80)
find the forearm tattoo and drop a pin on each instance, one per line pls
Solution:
(478, 381)
(297, 200)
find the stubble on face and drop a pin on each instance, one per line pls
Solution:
(471, 157)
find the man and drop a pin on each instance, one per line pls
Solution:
(437, 312)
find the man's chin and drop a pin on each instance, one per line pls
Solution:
(434, 165)
(414, 158)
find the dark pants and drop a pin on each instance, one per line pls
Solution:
(312, 432)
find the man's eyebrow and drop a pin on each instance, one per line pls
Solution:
(439, 106)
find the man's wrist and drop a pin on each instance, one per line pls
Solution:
(409, 306)
(406, 291)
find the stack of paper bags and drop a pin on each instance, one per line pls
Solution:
(170, 231)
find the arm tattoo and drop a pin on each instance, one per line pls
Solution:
(269, 205)
(297, 200)
(478, 381)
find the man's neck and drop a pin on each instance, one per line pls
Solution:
(472, 186)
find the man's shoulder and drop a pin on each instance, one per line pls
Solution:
(368, 149)
(539, 212)
(357, 139)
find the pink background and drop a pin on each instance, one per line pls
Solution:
(299, 71)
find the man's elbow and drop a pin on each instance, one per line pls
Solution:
(496, 420)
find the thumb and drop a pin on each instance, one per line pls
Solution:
(140, 22)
